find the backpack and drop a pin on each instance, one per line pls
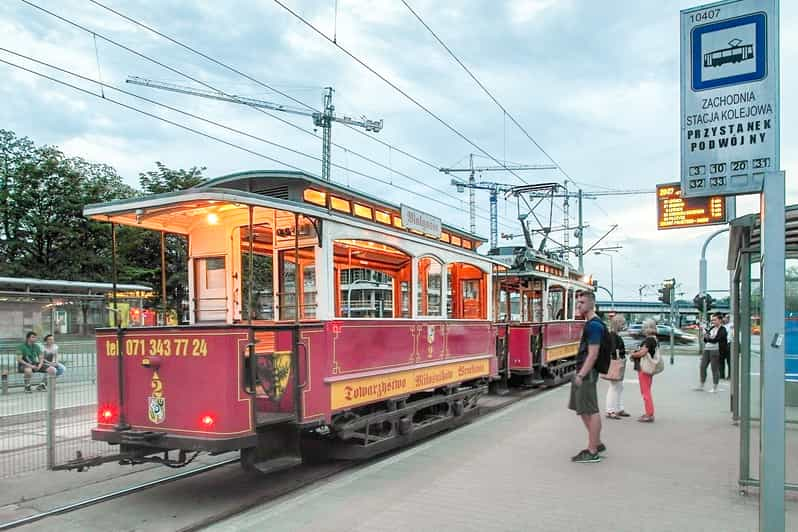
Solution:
(606, 348)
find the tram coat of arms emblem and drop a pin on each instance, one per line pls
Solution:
(157, 409)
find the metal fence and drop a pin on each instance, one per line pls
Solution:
(46, 427)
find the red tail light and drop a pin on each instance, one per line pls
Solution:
(107, 414)
(207, 421)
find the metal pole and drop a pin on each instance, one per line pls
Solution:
(163, 276)
(612, 267)
(50, 421)
(472, 201)
(117, 322)
(251, 262)
(771, 463)
(672, 293)
(745, 367)
(582, 244)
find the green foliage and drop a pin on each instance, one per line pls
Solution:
(164, 179)
(44, 234)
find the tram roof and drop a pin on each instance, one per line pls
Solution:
(26, 283)
(746, 236)
(176, 212)
(269, 182)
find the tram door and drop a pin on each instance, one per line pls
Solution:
(210, 288)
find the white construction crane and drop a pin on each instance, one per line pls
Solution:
(323, 119)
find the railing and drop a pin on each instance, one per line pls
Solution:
(49, 424)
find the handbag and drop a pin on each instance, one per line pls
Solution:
(652, 365)
(616, 371)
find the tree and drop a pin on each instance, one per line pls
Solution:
(164, 179)
(44, 232)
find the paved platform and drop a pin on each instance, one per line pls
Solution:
(512, 471)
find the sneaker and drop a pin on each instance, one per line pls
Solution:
(586, 457)
(699, 388)
(41, 388)
(623, 413)
(601, 448)
(714, 389)
(27, 389)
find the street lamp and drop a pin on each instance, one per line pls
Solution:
(349, 294)
(612, 277)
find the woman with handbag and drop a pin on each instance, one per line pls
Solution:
(616, 373)
(648, 348)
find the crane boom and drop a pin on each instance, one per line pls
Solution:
(323, 119)
(494, 189)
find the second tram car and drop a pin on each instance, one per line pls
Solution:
(321, 321)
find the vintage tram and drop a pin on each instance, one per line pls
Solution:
(322, 322)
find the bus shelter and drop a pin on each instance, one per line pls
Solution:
(744, 261)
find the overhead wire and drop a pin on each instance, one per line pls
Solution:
(504, 110)
(271, 87)
(201, 82)
(398, 89)
(191, 115)
(251, 78)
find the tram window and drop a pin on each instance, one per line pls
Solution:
(397, 222)
(467, 244)
(456, 240)
(339, 204)
(288, 284)
(309, 291)
(371, 280)
(429, 287)
(263, 280)
(466, 298)
(315, 196)
(445, 237)
(362, 211)
(262, 292)
(382, 217)
(556, 304)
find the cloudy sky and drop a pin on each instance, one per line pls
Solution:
(595, 84)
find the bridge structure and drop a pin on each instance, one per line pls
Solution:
(635, 311)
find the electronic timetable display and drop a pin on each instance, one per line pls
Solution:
(675, 211)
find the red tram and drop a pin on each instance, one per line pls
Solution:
(323, 322)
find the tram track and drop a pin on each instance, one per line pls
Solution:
(250, 490)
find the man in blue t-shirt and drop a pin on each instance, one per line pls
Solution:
(584, 400)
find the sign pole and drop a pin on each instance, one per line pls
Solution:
(772, 433)
(730, 144)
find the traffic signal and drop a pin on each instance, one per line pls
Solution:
(665, 295)
(701, 299)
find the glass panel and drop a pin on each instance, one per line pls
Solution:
(366, 293)
(309, 291)
(382, 217)
(556, 304)
(263, 293)
(791, 371)
(315, 196)
(288, 286)
(339, 204)
(429, 287)
(362, 211)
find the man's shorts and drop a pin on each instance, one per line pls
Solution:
(584, 399)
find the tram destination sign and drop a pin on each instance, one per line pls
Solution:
(420, 221)
(675, 211)
(729, 97)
